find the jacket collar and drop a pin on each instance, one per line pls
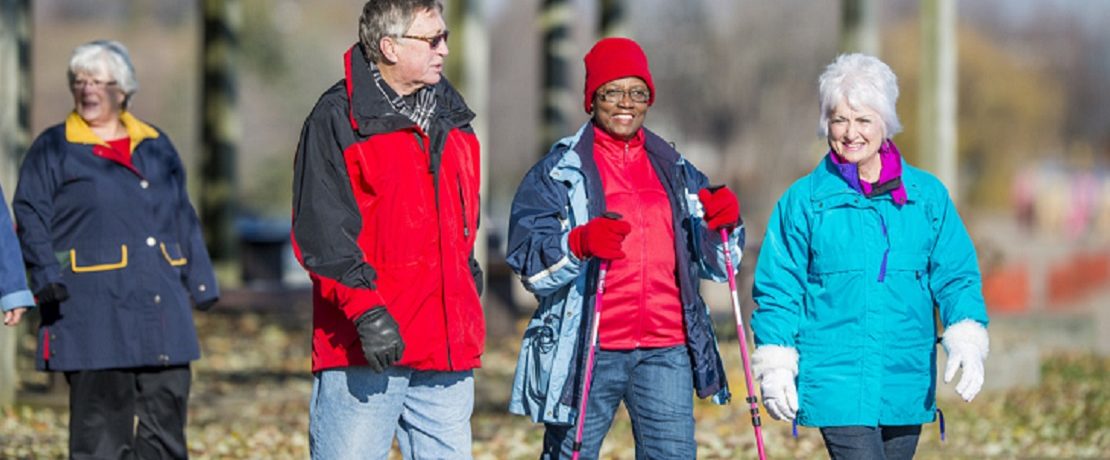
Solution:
(369, 111)
(828, 182)
(78, 131)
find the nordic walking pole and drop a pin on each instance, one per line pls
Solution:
(742, 337)
(590, 355)
(590, 360)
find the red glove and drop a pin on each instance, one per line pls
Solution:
(722, 210)
(600, 237)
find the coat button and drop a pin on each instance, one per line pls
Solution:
(150, 241)
(157, 298)
(144, 184)
(202, 288)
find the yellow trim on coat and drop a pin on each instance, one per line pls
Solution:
(78, 131)
(98, 268)
(171, 260)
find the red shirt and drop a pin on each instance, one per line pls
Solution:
(120, 151)
(641, 306)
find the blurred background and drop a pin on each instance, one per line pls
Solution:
(1007, 101)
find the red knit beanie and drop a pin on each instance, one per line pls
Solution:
(615, 58)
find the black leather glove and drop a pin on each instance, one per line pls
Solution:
(381, 340)
(207, 304)
(52, 293)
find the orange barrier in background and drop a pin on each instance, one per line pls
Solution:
(1006, 289)
(1071, 280)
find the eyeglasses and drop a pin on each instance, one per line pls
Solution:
(615, 96)
(432, 41)
(93, 84)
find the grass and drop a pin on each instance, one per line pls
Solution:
(251, 390)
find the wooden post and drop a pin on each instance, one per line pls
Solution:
(15, 125)
(558, 99)
(612, 19)
(937, 117)
(859, 31)
(220, 127)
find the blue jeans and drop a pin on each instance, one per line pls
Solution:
(869, 442)
(657, 387)
(355, 412)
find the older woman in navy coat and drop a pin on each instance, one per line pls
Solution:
(116, 259)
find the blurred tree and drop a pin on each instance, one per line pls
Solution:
(558, 99)
(859, 31)
(15, 91)
(1003, 122)
(220, 125)
(612, 16)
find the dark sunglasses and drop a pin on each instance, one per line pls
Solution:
(432, 41)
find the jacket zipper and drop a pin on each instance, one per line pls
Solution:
(462, 202)
(426, 146)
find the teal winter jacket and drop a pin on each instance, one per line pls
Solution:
(853, 284)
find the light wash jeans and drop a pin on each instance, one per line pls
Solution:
(355, 412)
(657, 387)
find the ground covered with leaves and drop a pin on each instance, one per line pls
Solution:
(251, 390)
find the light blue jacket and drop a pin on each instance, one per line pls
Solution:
(13, 277)
(853, 284)
(561, 192)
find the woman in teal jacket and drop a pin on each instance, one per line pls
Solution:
(856, 257)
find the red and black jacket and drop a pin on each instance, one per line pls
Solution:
(385, 214)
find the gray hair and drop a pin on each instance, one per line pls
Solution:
(864, 82)
(105, 56)
(388, 18)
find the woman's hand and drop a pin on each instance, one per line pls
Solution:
(967, 345)
(780, 395)
(12, 317)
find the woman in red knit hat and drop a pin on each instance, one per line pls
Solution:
(617, 192)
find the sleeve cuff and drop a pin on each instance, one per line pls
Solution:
(967, 332)
(356, 301)
(769, 357)
(17, 299)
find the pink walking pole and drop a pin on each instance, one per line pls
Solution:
(752, 401)
(590, 359)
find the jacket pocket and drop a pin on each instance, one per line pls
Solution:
(97, 261)
(173, 254)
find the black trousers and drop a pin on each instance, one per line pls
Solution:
(136, 413)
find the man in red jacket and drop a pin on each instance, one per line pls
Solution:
(385, 214)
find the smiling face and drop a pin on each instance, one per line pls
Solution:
(621, 119)
(97, 97)
(856, 133)
(415, 63)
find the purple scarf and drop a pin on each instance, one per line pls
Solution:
(891, 160)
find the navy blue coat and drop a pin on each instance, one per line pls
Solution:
(125, 242)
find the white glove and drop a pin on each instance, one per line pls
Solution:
(780, 395)
(967, 345)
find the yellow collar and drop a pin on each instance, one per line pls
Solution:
(78, 131)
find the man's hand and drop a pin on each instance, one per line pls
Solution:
(381, 340)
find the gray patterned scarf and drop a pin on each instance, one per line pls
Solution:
(423, 101)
